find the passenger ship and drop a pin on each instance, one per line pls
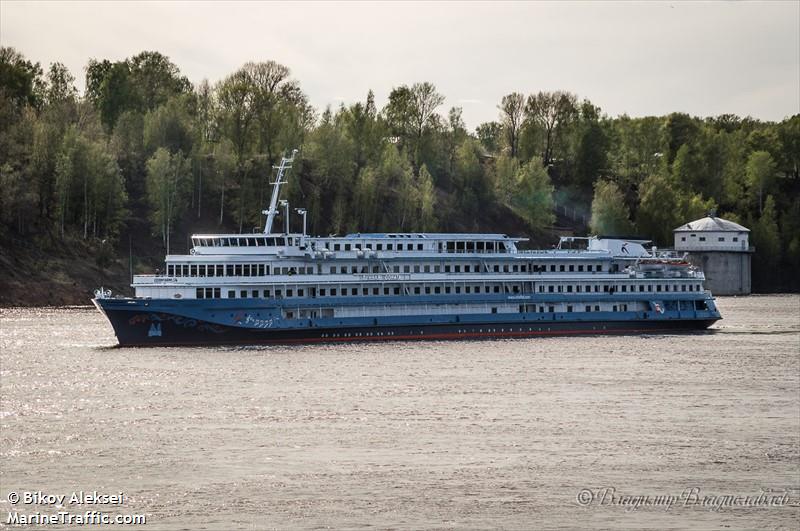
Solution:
(270, 287)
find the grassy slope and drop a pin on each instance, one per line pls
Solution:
(55, 273)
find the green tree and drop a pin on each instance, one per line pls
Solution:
(16, 199)
(679, 130)
(169, 126)
(553, 112)
(687, 170)
(394, 185)
(47, 139)
(610, 214)
(20, 80)
(127, 143)
(88, 187)
(636, 150)
(490, 134)
(237, 119)
(453, 137)
(790, 225)
(535, 194)
(364, 131)
(789, 137)
(659, 209)
(506, 177)
(398, 113)
(593, 145)
(366, 199)
(425, 198)
(167, 176)
(760, 173)
(411, 112)
(693, 206)
(107, 210)
(60, 85)
(156, 79)
(110, 89)
(767, 240)
(273, 91)
(330, 156)
(260, 109)
(468, 186)
(140, 83)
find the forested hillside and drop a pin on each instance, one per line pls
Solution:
(97, 184)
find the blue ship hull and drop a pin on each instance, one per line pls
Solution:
(169, 323)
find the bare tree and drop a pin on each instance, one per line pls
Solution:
(512, 109)
(425, 100)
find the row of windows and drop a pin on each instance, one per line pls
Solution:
(532, 308)
(670, 305)
(570, 308)
(371, 246)
(624, 288)
(233, 270)
(432, 289)
(266, 241)
(472, 247)
(455, 308)
(208, 293)
(358, 291)
(242, 241)
(703, 238)
(305, 313)
(450, 246)
(253, 270)
(469, 268)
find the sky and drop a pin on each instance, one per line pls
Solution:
(648, 58)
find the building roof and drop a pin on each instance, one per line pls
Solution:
(711, 223)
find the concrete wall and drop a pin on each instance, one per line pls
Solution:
(727, 273)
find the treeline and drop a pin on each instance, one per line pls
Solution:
(143, 147)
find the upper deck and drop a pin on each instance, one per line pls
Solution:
(352, 244)
(230, 247)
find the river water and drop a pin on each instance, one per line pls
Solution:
(461, 435)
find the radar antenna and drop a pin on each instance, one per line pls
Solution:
(286, 164)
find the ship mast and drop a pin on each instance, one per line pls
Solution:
(286, 164)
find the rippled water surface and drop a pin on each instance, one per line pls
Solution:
(474, 435)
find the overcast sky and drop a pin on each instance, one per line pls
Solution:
(637, 58)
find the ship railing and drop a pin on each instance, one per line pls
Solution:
(667, 275)
(721, 248)
(668, 254)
